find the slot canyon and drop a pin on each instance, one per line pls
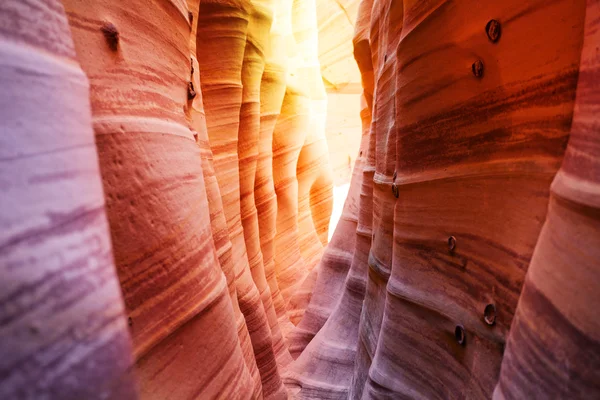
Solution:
(174, 221)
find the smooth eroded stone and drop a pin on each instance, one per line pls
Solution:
(222, 36)
(63, 329)
(156, 199)
(554, 345)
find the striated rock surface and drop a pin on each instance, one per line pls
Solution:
(248, 149)
(553, 349)
(181, 251)
(272, 92)
(288, 138)
(137, 58)
(462, 158)
(223, 247)
(63, 331)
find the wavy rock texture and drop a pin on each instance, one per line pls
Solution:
(63, 332)
(289, 134)
(218, 221)
(223, 37)
(313, 170)
(465, 263)
(462, 162)
(248, 149)
(272, 92)
(288, 137)
(554, 345)
(136, 55)
(509, 127)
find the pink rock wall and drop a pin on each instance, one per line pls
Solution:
(173, 288)
(63, 328)
(553, 346)
(461, 160)
(180, 250)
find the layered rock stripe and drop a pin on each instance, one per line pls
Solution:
(167, 169)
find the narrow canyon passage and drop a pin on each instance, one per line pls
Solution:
(299, 199)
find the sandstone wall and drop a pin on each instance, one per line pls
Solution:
(463, 144)
(167, 170)
(63, 329)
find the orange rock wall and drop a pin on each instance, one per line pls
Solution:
(167, 193)
(63, 328)
(449, 196)
(215, 176)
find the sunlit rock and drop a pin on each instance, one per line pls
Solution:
(183, 251)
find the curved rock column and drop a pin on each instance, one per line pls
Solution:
(333, 269)
(554, 345)
(248, 149)
(136, 54)
(197, 116)
(380, 70)
(224, 253)
(221, 39)
(477, 144)
(364, 267)
(60, 302)
(313, 171)
(288, 138)
(326, 365)
(272, 90)
(338, 255)
(367, 330)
